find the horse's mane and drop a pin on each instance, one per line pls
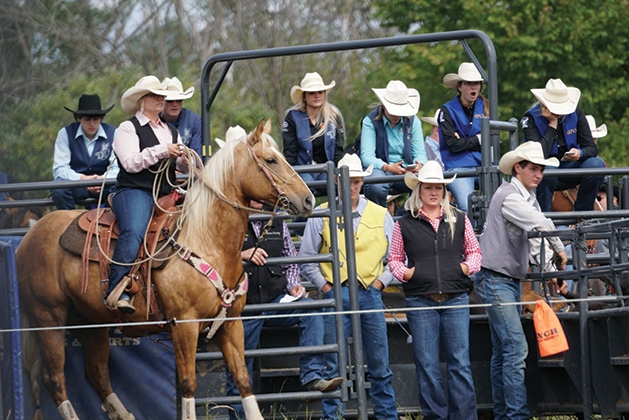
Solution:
(217, 175)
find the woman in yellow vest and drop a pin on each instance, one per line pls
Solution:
(373, 227)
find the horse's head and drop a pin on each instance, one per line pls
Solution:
(275, 181)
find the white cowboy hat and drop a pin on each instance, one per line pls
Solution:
(432, 120)
(147, 84)
(233, 133)
(430, 173)
(467, 73)
(352, 161)
(175, 88)
(398, 99)
(597, 132)
(531, 151)
(312, 82)
(557, 97)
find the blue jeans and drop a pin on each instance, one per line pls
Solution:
(133, 208)
(378, 192)
(66, 198)
(507, 371)
(451, 328)
(315, 176)
(376, 351)
(311, 330)
(588, 185)
(461, 188)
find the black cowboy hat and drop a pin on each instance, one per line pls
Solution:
(89, 105)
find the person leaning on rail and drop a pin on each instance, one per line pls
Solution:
(512, 213)
(391, 139)
(83, 151)
(373, 227)
(560, 126)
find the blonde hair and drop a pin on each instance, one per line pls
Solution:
(414, 204)
(328, 114)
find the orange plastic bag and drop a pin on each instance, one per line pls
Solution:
(551, 338)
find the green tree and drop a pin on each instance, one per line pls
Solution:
(585, 43)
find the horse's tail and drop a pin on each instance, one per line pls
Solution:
(32, 363)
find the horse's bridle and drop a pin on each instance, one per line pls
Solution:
(282, 199)
(281, 195)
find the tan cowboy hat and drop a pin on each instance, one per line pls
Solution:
(432, 120)
(90, 105)
(312, 82)
(147, 84)
(597, 132)
(531, 151)
(467, 73)
(352, 161)
(557, 97)
(398, 99)
(233, 133)
(175, 88)
(430, 173)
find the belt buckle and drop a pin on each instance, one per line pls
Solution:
(440, 297)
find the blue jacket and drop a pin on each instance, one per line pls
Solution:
(80, 160)
(465, 128)
(569, 125)
(302, 130)
(382, 143)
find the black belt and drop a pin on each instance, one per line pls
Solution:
(440, 297)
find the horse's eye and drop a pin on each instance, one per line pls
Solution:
(271, 161)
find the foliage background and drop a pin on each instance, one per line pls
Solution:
(54, 50)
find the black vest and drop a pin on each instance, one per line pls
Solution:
(145, 178)
(435, 256)
(268, 281)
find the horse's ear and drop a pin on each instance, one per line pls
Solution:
(254, 137)
(267, 126)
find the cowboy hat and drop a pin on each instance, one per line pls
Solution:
(89, 105)
(530, 151)
(147, 84)
(432, 120)
(430, 173)
(599, 132)
(175, 88)
(352, 161)
(557, 97)
(398, 100)
(467, 73)
(312, 82)
(232, 134)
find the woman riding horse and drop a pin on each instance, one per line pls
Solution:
(141, 144)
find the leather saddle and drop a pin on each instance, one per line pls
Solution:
(93, 235)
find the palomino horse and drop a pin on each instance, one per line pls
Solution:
(214, 222)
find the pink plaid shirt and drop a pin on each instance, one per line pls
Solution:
(397, 255)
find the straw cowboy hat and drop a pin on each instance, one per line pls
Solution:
(233, 133)
(312, 82)
(467, 73)
(147, 84)
(89, 105)
(597, 132)
(430, 173)
(531, 151)
(352, 161)
(557, 97)
(398, 99)
(175, 88)
(432, 120)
